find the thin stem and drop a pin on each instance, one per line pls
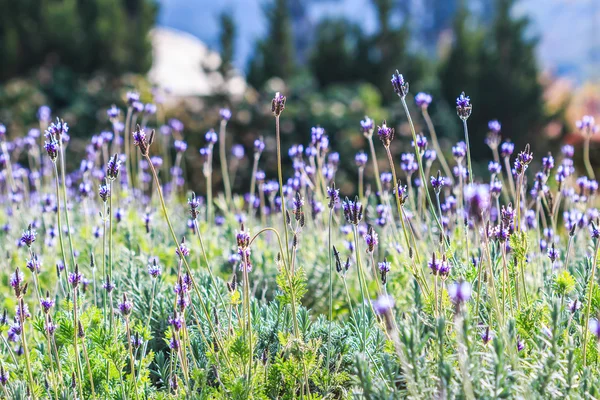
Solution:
(329, 251)
(586, 158)
(436, 144)
(282, 194)
(64, 185)
(585, 321)
(466, 129)
(223, 155)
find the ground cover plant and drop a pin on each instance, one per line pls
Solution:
(120, 282)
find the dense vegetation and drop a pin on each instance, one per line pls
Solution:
(417, 284)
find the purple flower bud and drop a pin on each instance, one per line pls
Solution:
(150, 108)
(386, 134)
(113, 112)
(460, 292)
(399, 84)
(125, 306)
(333, 195)
(494, 126)
(259, 146)
(463, 106)
(384, 304)
(28, 236)
(423, 100)
(180, 146)
(278, 104)
(225, 114)
(367, 125)
(211, 137)
(568, 151)
(237, 150)
(44, 114)
(506, 149)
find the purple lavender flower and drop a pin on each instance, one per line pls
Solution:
(57, 129)
(399, 84)
(180, 146)
(176, 322)
(463, 106)
(459, 151)
(75, 277)
(182, 250)
(278, 104)
(353, 211)
(494, 168)
(361, 159)
(237, 150)
(494, 126)
(3, 376)
(112, 167)
(386, 134)
(384, 304)
(548, 163)
(245, 262)
(34, 264)
(52, 148)
(477, 200)
(506, 149)
(47, 303)
(574, 306)
(430, 156)
(460, 292)
(259, 146)
(113, 112)
(28, 236)
(568, 151)
(104, 192)
(367, 125)
(211, 137)
(16, 279)
(587, 125)
(553, 253)
(423, 100)
(371, 238)
(139, 139)
(487, 335)
(434, 264)
(44, 114)
(333, 195)
(437, 182)
(523, 160)
(125, 306)
(421, 142)
(225, 114)
(384, 268)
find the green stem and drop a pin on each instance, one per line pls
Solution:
(279, 172)
(585, 321)
(224, 167)
(586, 157)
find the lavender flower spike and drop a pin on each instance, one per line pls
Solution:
(399, 84)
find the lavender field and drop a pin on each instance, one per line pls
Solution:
(120, 282)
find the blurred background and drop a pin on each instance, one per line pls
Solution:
(533, 64)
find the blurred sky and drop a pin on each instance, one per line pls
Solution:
(569, 30)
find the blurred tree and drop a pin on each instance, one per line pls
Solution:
(227, 42)
(497, 68)
(83, 36)
(369, 58)
(274, 55)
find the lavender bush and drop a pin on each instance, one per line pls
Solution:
(121, 282)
